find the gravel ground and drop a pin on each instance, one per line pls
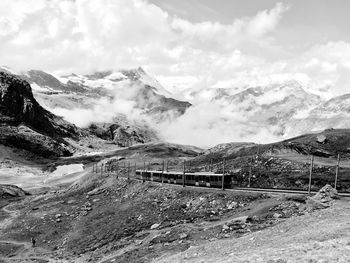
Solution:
(320, 236)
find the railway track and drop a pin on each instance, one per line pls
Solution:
(235, 189)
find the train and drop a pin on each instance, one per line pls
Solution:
(205, 179)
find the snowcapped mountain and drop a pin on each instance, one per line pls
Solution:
(280, 110)
(133, 88)
(109, 79)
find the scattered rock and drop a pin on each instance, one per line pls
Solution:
(154, 226)
(277, 215)
(225, 228)
(183, 235)
(321, 139)
(94, 192)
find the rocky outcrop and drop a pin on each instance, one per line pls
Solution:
(11, 191)
(27, 125)
(123, 134)
(323, 198)
(18, 105)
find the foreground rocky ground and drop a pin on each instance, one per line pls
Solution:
(320, 236)
(103, 218)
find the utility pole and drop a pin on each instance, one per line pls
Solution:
(184, 176)
(144, 170)
(163, 172)
(336, 172)
(223, 175)
(310, 178)
(250, 171)
(117, 170)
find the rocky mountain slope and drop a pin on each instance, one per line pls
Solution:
(284, 164)
(27, 125)
(134, 85)
(275, 111)
(123, 132)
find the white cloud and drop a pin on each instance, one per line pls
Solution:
(267, 20)
(81, 36)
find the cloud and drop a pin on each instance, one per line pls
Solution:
(210, 123)
(82, 36)
(266, 21)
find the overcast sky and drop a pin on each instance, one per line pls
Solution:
(184, 43)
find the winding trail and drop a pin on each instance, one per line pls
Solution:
(26, 253)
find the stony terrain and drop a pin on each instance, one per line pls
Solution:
(285, 164)
(317, 236)
(105, 218)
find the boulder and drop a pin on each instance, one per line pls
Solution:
(322, 199)
(321, 139)
(326, 194)
(154, 226)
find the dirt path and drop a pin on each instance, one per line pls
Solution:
(26, 252)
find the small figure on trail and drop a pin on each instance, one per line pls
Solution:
(33, 241)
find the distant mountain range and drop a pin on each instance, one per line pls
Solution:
(284, 110)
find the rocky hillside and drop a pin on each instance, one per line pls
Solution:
(284, 164)
(275, 111)
(123, 132)
(134, 85)
(25, 124)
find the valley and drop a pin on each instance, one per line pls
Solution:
(76, 214)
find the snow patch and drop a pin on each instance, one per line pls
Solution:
(68, 169)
